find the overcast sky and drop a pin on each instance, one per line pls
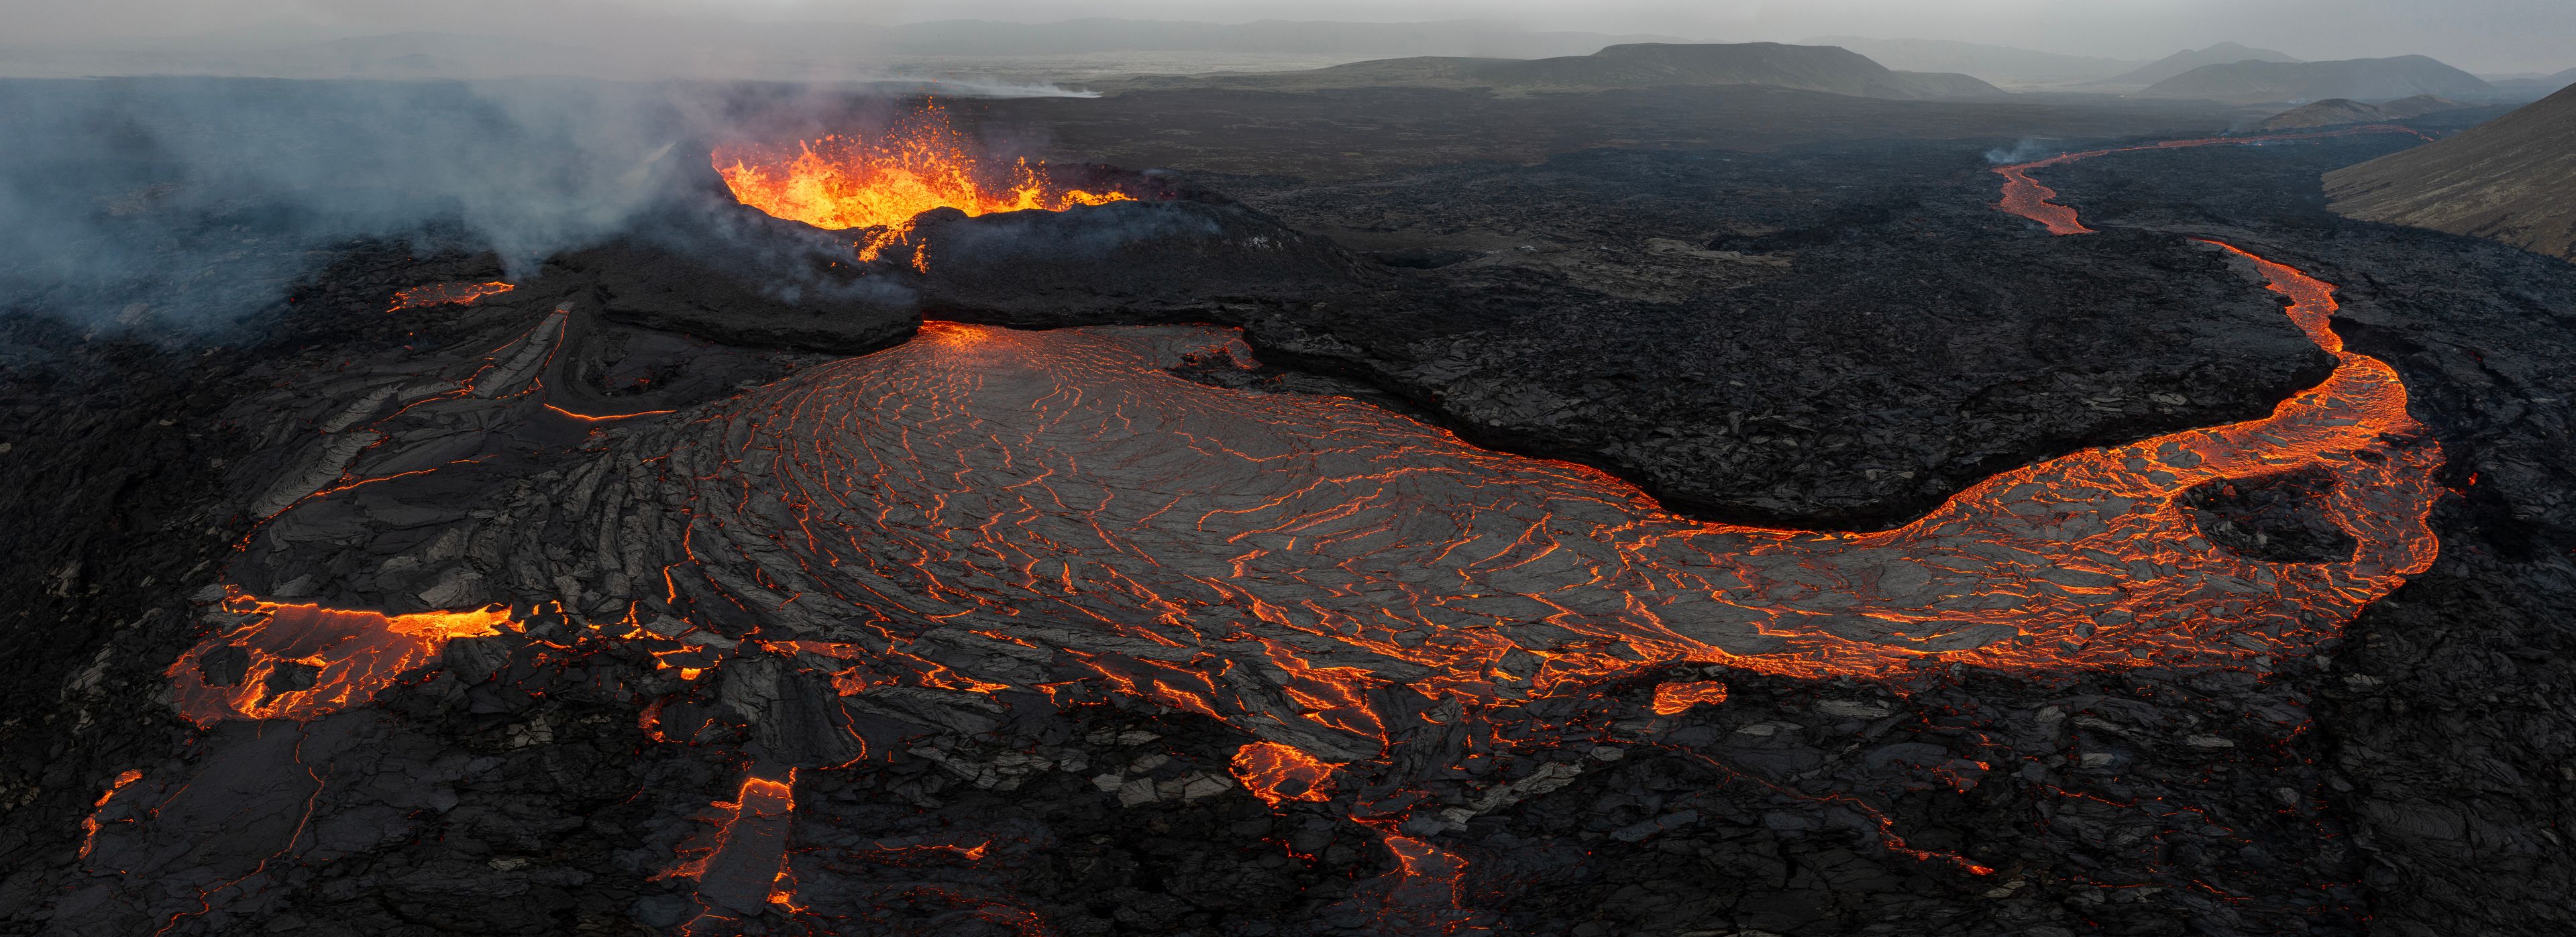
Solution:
(2479, 35)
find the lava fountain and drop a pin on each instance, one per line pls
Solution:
(845, 181)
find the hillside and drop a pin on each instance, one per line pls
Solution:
(1998, 64)
(1634, 65)
(2225, 53)
(2512, 179)
(2337, 111)
(2254, 82)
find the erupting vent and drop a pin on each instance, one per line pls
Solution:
(921, 163)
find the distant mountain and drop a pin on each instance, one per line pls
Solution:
(2333, 112)
(2358, 79)
(1999, 64)
(1635, 65)
(2225, 53)
(2512, 179)
(1474, 38)
(2531, 86)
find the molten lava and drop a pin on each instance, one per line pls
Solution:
(453, 291)
(90, 825)
(2029, 199)
(1673, 699)
(294, 661)
(1275, 773)
(921, 163)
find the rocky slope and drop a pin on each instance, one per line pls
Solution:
(2512, 180)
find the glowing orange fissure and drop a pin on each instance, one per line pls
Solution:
(1276, 772)
(455, 291)
(847, 181)
(89, 824)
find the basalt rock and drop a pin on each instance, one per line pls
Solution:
(1202, 258)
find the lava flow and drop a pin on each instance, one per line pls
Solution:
(291, 661)
(2029, 199)
(454, 291)
(987, 510)
(921, 163)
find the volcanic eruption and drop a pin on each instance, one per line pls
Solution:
(879, 182)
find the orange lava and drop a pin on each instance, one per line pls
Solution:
(454, 291)
(1275, 773)
(1676, 698)
(921, 163)
(2029, 199)
(351, 655)
(89, 824)
(740, 861)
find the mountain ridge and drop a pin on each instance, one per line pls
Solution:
(2512, 179)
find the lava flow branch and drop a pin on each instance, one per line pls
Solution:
(880, 182)
(2029, 199)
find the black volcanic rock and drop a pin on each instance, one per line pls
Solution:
(1165, 260)
(1613, 319)
(713, 297)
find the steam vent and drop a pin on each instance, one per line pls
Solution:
(1692, 490)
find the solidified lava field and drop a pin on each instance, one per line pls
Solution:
(1244, 594)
